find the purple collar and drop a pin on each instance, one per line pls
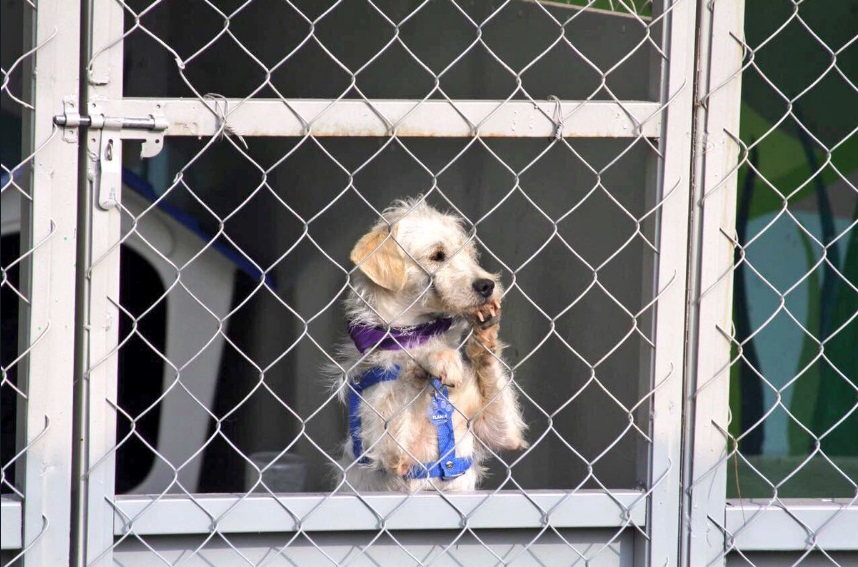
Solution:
(397, 338)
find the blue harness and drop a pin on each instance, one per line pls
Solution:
(448, 466)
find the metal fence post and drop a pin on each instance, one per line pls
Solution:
(48, 222)
(103, 71)
(675, 92)
(719, 58)
(675, 87)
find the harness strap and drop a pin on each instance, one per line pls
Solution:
(371, 377)
(448, 466)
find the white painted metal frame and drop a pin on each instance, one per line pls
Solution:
(711, 278)
(99, 362)
(755, 525)
(674, 181)
(264, 514)
(39, 524)
(654, 511)
(404, 118)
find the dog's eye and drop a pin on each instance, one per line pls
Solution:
(438, 256)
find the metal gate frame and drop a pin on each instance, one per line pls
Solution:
(111, 520)
(683, 518)
(713, 525)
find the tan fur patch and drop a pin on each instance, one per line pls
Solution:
(381, 260)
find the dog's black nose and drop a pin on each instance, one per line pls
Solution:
(484, 287)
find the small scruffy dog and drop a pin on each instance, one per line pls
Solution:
(419, 411)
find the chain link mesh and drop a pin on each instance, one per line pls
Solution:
(234, 264)
(18, 153)
(793, 427)
(235, 255)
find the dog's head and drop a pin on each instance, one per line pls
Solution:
(419, 261)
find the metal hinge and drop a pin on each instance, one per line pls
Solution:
(105, 134)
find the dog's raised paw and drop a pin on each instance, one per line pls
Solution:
(488, 336)
(446, 365)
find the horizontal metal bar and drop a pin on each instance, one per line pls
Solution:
(603, 548)
(10, 523)
(409, 118)
(827, 525)
(179, 514)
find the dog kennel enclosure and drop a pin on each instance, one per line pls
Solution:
(183, 181)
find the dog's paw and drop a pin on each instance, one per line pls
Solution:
(395, 462)
(488, 336)
(402, 466)
(486, 315)
(446, 365)
(484, 340)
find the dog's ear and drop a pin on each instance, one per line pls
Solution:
(381, 260)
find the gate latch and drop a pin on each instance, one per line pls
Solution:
(105, 135)
(150, 129)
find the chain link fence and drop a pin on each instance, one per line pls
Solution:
(233, 254)
(238, 150)
(791, 432)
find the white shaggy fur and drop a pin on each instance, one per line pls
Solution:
(415, 266)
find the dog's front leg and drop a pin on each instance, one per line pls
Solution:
(444, 364)
(396, 448)
(498, 421)
(387, 430)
